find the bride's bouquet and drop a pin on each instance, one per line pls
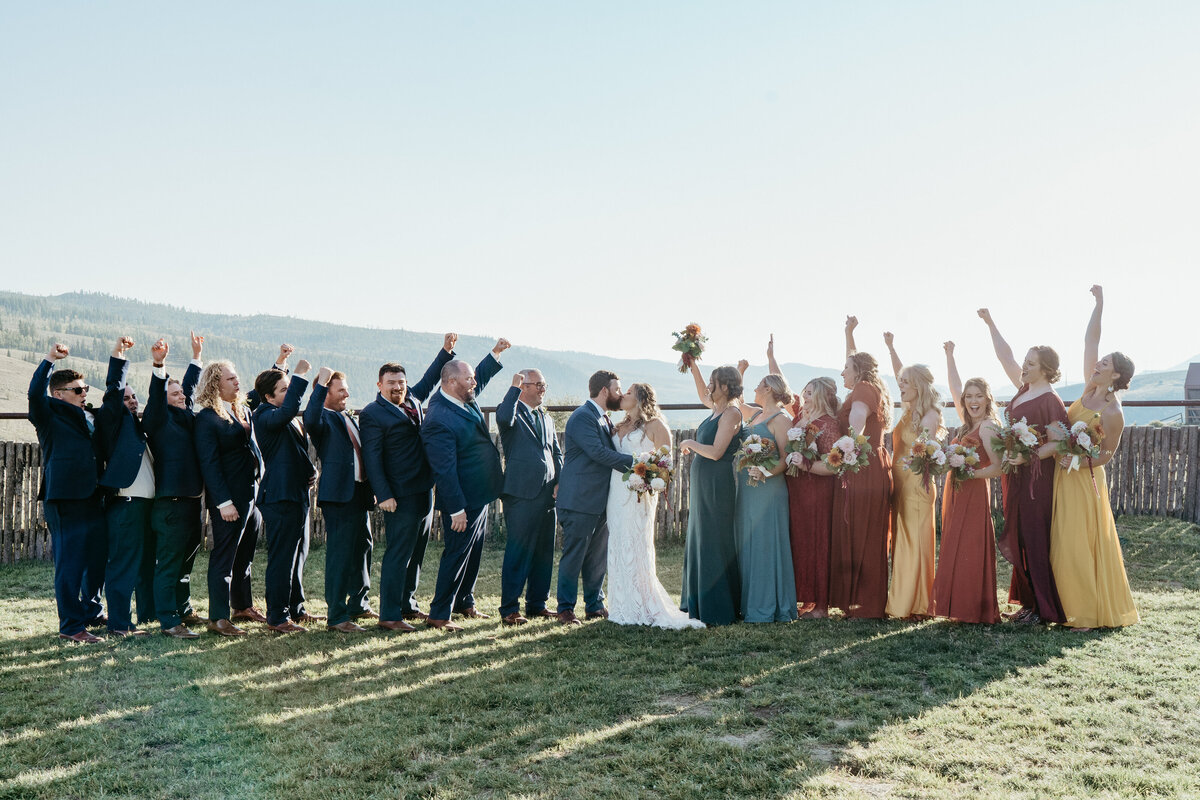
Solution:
(650, 473)
(802, 447)
(756, 451)
(960, 462)
(849, 454)
(925, 458)
(691, 344)
(1016, 439)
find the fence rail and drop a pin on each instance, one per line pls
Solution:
(1156, 471)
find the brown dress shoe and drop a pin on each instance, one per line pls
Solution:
(224, 627)
(598, 614)
(346, 627)
(83, 637)
(180, 632)
(418, 614)
(365, 615)
(195, 619)
(130, 632)
(395, 625)
(514, 619)
(308, 619)
(443, 625)
(473, 613)
(568, 618)
(252, 614)
(287, 627)
(545, 612)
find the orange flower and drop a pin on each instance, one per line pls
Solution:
(835, 458)
(640, 469)
(692, 330)
(918, 450)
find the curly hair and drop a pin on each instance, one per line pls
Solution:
(1123, 366)
(729, 379)
(780, 391)
(645, 402)
(989, 409)
(928, 398)
(208, 391)
(1048, 359)
(824, 400)
(867, 370)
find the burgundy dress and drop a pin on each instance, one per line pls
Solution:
(1028, 506)
(862, 520)
(964, 588)
(810, 503)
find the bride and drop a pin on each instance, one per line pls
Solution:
(635, 596)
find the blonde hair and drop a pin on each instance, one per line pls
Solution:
(928, 398)
(208, 391)
(780, 391)
(989, 410)
(867, 370)
(824, 398)
(646, 403)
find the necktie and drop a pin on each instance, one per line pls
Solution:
(412, 413)
(474, 412)
(353, 434)
(539, 425)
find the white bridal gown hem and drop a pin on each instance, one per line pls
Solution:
(635, 596)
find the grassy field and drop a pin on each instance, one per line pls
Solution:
(810, 709)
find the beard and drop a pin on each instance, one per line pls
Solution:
(613, 403)
(469, 397)
(397, 396)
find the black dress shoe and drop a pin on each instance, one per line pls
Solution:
(545, 612)
(600, 613)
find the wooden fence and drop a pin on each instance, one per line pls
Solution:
(1156, 471)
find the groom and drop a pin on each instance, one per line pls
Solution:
(590, 459)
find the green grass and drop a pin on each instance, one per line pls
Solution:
(810, 709)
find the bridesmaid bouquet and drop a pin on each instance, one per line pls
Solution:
(802, 447)
(960, 462)
(691, 344)
(756, 451)
(926, 458)
(650, 473)
(1016, 439)
(850, 453)
(1082, 440)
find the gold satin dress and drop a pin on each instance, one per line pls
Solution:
(913, 531)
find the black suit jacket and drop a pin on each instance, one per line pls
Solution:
(334, 448)
(284, 448)
(532, 457)
(230, 462)
(119, 430)
(170, 430)
(70, 459)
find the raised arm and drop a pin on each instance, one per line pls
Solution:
(851, 324)
(1091, 340)
(956, 387)
(155, 412)
(897, 364)
(421, 389)
(772, 364)
(1003, 352)
(506, 412)
(39, 401)
(490, 365)
(314, 417)
(701, 386)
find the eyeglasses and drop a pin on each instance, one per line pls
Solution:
(75, 389)
(539, 384)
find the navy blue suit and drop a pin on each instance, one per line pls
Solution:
(345, 504)
(175, 517)
(467, 471)
(398, 470)
(131, 546)
(589, 462)
(230, 464)
(70, 478)
(533, 461)
(283, 500)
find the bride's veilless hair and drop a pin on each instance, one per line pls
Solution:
(647, 404)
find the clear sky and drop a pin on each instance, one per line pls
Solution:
(591, 176)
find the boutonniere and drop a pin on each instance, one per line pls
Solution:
(351, 413)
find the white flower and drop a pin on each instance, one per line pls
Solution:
(754, 447)
(1079, 427)
(939, 457)
(1084, 441)
(794, 459)
(956, 460)
(1028, 438)
(1020, 428)
(636, 481)
(796, 434)
(658, 484)
(643, 458)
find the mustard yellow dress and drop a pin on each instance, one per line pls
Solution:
(913, 532)
(1085, 553)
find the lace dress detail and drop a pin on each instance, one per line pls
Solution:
(635, 596)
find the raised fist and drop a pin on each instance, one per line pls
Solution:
(851, 323)
(285, 351)
(502, 344)
(123, 343)
(985, 315)
(949, 346)
(58, 351)
(449, 342)
(158, 352)
(888, 338)
(324, 375)
(302, 367)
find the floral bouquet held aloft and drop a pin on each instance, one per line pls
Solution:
(1016, 439)
(1082, 440)
(650, 473)
(960, 462)
(756, 451)
(926, 458)
(691, 344)
(802, 447)
(849, 454)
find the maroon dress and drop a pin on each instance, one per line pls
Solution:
(1028, 506)
(810, 503)
(862, 520)
(964, 588)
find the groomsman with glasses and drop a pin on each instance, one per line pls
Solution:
(70, 493)
(533, 461)
(402, 482)
(345, 498)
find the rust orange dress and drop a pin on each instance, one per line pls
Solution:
(810, 503)
(965, 586)
(862, 519)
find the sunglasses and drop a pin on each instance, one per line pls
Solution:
(75, 389)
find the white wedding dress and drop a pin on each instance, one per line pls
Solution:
(635, 597)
